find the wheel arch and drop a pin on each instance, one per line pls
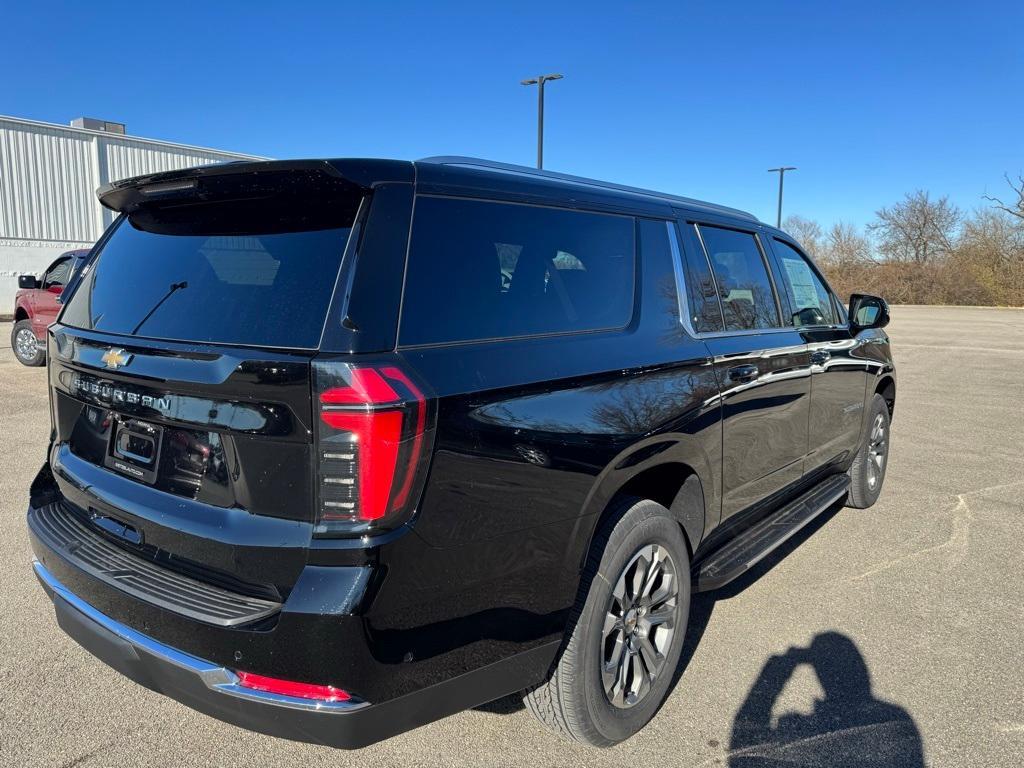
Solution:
(676, 485)
(20, 313)
(886, 387)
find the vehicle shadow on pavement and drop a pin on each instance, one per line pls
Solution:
(849, 727)
(506, 705)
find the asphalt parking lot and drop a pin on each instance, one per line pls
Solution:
(891, 636)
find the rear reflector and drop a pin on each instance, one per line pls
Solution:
(291, 688)
(372, 445)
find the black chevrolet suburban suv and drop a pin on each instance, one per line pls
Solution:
(342, 447)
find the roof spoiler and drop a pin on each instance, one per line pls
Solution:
(242, 180)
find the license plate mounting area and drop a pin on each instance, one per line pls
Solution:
(134, 448)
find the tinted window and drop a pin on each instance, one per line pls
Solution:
(480, 270)
(701, 292)
(252, 286)
(743, 285)
(809, 299)
(57, 274)
(660, 284)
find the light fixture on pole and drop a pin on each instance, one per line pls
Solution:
(782, 172)
(539, 82)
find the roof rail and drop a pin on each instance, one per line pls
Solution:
(523, 170)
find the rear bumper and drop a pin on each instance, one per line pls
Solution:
(417, 645)
(213, 689)
(201, 684)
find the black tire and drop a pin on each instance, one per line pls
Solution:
(573, 701)
(26, 355)
(867, 473)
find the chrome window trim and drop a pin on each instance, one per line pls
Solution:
(683, 296)
(748, 332)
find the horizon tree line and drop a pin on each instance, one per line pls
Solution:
(926, 250)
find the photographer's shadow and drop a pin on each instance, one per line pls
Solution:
(849, 727)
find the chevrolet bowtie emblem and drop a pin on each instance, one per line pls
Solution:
(115, 357)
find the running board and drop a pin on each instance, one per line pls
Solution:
(742, 553)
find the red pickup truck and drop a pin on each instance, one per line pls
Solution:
(37, 303)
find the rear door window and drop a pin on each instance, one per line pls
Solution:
(253, 282)
(702, 293)
(809, 299)
(747, 297)
(485, 270)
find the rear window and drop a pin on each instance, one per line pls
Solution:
(484, 270)
(236, 279)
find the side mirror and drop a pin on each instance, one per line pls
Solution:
(28, 282)
(868, 312)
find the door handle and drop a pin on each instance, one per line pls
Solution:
(742, 373)
(820, 356)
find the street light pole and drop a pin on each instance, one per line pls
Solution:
(782, 173)
(539, 82)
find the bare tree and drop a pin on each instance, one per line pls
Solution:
(917, 230)
(847, 260)
(1014, 207)
(988, 265)
(925, 250)
(995, 233)
(845, 246)
(806, 232)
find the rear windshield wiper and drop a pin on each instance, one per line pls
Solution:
(170, 291)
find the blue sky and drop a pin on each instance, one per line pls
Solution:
(869, 100)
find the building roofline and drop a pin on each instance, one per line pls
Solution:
(126, 137)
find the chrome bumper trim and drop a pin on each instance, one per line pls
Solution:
(216, 678)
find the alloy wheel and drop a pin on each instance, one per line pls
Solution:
(876, 452)
(639, 625)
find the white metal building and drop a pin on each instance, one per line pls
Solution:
(48, 179)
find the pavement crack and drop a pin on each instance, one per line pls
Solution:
(955, 547)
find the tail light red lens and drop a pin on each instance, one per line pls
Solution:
(372, 446)
(292, 688)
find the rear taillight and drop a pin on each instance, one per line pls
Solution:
(373, 442)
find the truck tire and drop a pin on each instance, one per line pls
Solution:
(867, 473)
(625, 633)
(23, 343)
